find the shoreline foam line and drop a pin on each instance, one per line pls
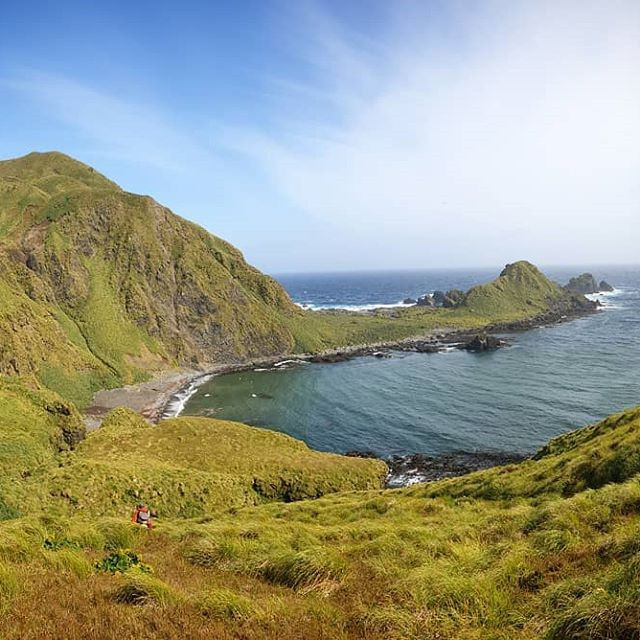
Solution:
(176, 403)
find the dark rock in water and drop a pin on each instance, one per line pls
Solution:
(411, 469)
(584, 284)
(605, 286)
(484, 343)
(426, 301)
(427, 347)
(381, 354)
(361, 454)
(331, 358)
(409, 301)
(439, 297)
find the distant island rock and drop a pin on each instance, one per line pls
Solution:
(604, 286)
(586, 284)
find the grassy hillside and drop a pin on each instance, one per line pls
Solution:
(189, 467)
(100, 287)
(431, 561)
(519, 287)
(115, 285)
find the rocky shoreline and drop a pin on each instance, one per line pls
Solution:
(416, 468)
(158, 398)
(165, 395)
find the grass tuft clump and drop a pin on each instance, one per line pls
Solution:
(223, 604)
(307, 569)
(69, 561)
(9, 586)
(139, 588)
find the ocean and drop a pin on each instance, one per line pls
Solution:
(551, 380)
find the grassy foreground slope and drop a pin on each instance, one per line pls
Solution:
(551, 551)
(189, 467)
(100, 287)
(185, 467)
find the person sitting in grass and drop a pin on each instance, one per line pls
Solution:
(142, 516)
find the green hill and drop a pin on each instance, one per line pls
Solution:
(116, 285)
(520, 288)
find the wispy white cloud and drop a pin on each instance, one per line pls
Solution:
(117, 126)
(453, 132)
(526, 119)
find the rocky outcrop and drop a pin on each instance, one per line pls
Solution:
(426, 301)
(605, 287)
(484, 343)
(439, 297)
(419, 467)
(453, 298)
(584, 284)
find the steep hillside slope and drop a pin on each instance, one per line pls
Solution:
(115, 285)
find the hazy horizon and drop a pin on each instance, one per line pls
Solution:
(580, 268)
(322, 136)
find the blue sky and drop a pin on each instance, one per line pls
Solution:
(348, 135)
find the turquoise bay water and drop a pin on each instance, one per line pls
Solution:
(551, 380)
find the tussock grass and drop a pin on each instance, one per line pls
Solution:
(139, 588)
(307, 569)
(223, 604)
(548, 548)
(9, 586)
(68, 560)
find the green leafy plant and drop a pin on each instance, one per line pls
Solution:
(122, 560)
